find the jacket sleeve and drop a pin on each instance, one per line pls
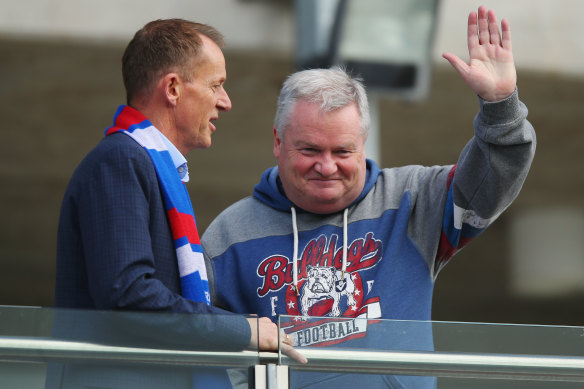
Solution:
(489, 174)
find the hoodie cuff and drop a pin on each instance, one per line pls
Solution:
(500, 112)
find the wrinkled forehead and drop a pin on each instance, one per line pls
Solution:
(308, 117)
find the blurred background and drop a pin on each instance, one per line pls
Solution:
(60, 83)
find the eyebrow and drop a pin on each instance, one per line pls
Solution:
(305, 143)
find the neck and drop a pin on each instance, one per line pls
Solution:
(163, 120)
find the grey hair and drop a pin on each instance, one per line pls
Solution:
(332, 88)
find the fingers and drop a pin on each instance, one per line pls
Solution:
(494, 34)
(291, 352)
(506, 41)
(483, 28)
(288, 349)
(490, 70)
(483, 24)
(286, 339)
(265, 336)
(473, 31)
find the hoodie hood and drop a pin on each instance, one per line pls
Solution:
(271, 192)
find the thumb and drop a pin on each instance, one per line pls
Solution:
(459, 65)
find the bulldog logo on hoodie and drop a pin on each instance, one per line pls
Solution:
(323, 288)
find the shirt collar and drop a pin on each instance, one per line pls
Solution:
(178, 159)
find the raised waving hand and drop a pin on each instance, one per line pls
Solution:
(490, 71)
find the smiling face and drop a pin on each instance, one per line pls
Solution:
(321, 158)
(201, 99)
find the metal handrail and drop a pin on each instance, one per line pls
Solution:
(43, 350)
(444, 364)
(440, 364)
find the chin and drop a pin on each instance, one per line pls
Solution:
(324, 196)
(204, 144)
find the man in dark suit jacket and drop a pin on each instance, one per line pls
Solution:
(115, 245)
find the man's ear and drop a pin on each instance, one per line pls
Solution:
(172, 88)
(277, 143)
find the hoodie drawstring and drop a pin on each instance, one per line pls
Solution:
(295, 253)
(344, 242)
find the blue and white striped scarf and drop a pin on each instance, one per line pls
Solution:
(179, 210)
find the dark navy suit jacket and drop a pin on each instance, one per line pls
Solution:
(115, 252)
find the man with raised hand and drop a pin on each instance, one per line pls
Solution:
(328, 233)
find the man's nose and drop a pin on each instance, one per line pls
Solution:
(326, 165)
(224, 102)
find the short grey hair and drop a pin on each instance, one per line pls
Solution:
(332, 88)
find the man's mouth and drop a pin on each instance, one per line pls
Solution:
(211, 125)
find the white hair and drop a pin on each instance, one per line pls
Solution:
(332, 88)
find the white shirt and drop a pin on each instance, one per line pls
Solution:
(178, 159)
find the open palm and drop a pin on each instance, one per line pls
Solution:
(491, 70)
